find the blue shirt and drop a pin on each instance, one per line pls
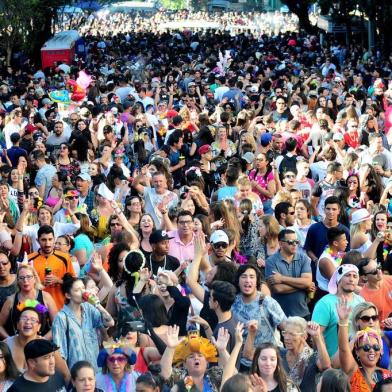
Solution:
(78, 342)
(293, 304)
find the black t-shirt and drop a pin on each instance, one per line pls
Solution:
(170, 263)
(207, 313)
(55, 383)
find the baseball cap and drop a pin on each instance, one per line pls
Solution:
(248, 157)
(38, 348)
(84, 176)
(337, 137)
(30, 128)
(218, 236)
(190, 84)
(46, 101)
(265, 139)
(171, 113)
(158, 236)
(204, 149)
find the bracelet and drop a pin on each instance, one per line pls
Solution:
(343, 324)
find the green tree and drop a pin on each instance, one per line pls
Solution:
(174, 4)
(300, 8)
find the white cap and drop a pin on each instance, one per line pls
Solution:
(360, 216)
(219, 236)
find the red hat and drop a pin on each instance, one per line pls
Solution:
(204, 149)
(171, 113)
(30, 128)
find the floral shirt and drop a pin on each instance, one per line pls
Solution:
(263, 182)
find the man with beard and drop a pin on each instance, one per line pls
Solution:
(51, 265)
(57, 138)
(86, 195)
(159, 257)
(251, 306)
(7, 280)
(341, 285)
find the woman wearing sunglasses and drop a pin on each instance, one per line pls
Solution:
(363, 369)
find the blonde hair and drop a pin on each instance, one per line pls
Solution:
(356, 313)
(297, 321)
(244, 181)
(356, 228)
(272, 226)
(38, 285)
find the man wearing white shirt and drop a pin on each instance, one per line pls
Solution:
(222, 89)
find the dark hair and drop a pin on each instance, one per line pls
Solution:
(68, 282)
(11, 371)
(281, 208)
(78, 366)
(184, 213)
(331, 200)
(244, 268)
(132, 263)
(246, 205)
(238, 383)
(361, 264)
(226, 272)
(174, 137)
(151, 380)
(204, 223)
(70, 241)
(307, 205)
(38, 155)
(352, 257)
(333, 233)
(335, 380)
(114, 254)
(154, 310)
(282, 234)
(45, 229)
(224, 293)
(279, 374)
(291, 144)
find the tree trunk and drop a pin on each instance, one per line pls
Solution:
(300, 8)
(9, 54)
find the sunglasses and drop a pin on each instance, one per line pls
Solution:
(291, 242)
(117, 359)
(374, 272)
(220, 245)
(72, 197)
(368, 318)
(115, 224)
(368, 347)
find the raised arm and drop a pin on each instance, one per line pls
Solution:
(172, 341)
(314, 331)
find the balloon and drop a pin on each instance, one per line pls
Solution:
(79, 86)
(59, 96)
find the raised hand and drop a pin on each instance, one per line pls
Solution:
(96, 262)
(198, 320)
(239, 331)
(252, 326)
(313, 329)
(172, 340)
(343, 309)
(223, 339)
(258, 383)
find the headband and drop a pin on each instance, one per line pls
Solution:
(338, 275)
(366, 334)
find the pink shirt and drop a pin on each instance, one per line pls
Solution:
(178, 249)
(261, 181)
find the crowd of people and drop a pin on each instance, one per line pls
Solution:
(213, 216)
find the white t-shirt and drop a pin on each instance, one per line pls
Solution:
(8, 130)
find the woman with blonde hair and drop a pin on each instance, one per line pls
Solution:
(29, 288)
(268, 230)
(244, 186)
(223, 145)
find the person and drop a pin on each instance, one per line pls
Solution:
(268, 365)
(147, 382)
(40, 374)
(342, 284)
(8, 369)
(157, 196)
(284, 214)
(316, 239)
(360, 226)
(159, 257)
(8, 280)
(289, 275)
(75, 326)
(302, 219)
(364, 372)
(377, 286)
(330, 259)
(43, 179)
(302, 363)
(251, 304)
(195, 358)
(86, 194)
(181, 245)
(116, 361)
(51, 265)
(333, 380)
(29, 288)
(83, 377)
(268, 231)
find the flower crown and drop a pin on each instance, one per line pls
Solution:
(34, 304)
(135, 274)
(366, 334)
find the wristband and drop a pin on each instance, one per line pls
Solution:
(343, 324)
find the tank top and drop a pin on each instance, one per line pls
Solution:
(322, 282)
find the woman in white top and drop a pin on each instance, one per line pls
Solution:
(45, 217)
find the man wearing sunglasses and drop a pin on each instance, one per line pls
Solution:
(289, 275)
(378, 287)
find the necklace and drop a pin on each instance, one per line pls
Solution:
(336, 256)
(150, 263)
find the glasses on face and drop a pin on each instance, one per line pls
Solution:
(33, 193)
(64, 148)
(289, 176)
(374, 271)
(25, 278)
(72, 197)
(184, 223)
(60, 244)
(291, 242)
(218, 245)
(113, 224)
(368, 347)
(32, 320)
(368, 318)
(288, 333)
(117, 359)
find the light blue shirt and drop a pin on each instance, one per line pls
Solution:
(78, 342)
